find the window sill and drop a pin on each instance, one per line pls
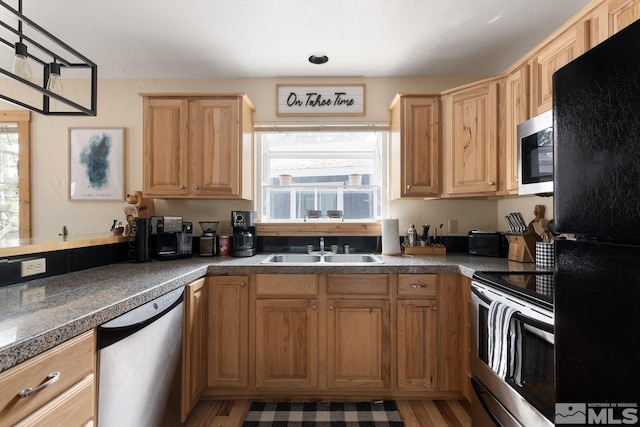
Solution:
(320, 228)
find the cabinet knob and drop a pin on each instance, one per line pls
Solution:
(182, 187)
(491, 183)
(196, 187)
(331, 307)
(418, 285)
(408, 186)
(314, 307)
(434, 308)
(242, 284)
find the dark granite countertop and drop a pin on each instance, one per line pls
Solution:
(43, 313)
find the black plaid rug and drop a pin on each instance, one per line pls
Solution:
(324, 414)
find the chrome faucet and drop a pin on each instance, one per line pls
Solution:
(322, 245)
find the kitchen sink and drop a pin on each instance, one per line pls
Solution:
(323, 258)
(352, 259)
(292, 258)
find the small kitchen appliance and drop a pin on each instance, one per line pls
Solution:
(244, 233)
(535, 155)
(488, 243)
(209, 240)
(170, 237)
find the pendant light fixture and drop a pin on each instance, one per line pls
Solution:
(40, 51)
(54, 83)
(21, 65)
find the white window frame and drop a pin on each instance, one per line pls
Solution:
(262, 170)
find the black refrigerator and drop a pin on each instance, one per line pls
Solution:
(596, 123)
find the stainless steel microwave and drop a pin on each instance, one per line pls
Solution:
(535, 155)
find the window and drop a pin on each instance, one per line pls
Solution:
(336, 174)
(15, 215)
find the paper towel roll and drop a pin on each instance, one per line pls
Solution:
(390, 237)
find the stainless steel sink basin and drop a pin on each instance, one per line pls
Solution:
(352, 259)
(323, 258)
(292, 258)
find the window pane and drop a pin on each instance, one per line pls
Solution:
(320, 164)
(9, 195)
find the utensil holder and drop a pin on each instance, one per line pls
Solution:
(522, 247)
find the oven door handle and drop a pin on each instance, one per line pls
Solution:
(498, 413)
(518, 316)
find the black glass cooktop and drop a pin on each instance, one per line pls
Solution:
(535, 286)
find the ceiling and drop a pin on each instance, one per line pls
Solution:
(261, 38)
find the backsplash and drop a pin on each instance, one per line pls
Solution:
(63, 261)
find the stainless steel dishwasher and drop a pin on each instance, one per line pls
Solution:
(139, 365)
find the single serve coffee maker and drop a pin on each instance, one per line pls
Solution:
(244, 233)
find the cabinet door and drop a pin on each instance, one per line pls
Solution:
(358, 344)
(415, 147)
(470, 140)
(287, 343)
(517, 111)
(216, 147)
(562, 50)
(194, 366)
(612, 16)
(228, 331)
(417, 344)
(166, 146)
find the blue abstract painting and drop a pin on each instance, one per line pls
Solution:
(96, 164)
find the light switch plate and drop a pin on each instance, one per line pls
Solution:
(452, 225)
(33, 267)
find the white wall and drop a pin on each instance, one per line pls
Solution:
(119, 105)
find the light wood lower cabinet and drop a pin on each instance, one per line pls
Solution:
(194, 366)
(228, 332)
(287, 343)
(358, 344)
(328, 335)
(70, 400)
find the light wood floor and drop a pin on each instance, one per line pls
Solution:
(415, 413)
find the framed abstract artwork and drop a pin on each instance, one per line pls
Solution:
(96, 164)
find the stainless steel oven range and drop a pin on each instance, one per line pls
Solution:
(512, 359)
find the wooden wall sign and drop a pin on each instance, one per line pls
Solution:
(320, 100)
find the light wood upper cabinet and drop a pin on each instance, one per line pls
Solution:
(559, 52)
(415, 147)
(516, 112)
(612, 16)
(470, 139)
(198, 146)
(166, 146)
(228, 331)
(194, 366)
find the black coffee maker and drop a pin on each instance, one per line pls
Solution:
(244, 233)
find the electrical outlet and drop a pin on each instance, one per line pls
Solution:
(452, 224)
(31, 296)
(33, 267)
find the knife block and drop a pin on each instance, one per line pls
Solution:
(522, 247)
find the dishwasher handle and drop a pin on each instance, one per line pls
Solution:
(131, 322)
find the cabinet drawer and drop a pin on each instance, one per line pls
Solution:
(279, 285)
(74, 407)
(417, 285)
(358, 284)
(74, 360)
